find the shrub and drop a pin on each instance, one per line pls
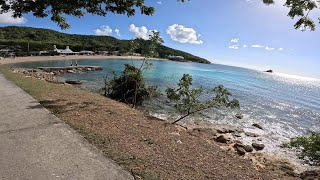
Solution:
(187, 100)
(309, 146)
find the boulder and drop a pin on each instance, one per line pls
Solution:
(240, 150)
(247, 148)
(269, 71)
(222, 139)
(239, 116)
(312, 174)
(258, 147)
(257, 126)
(250, 134)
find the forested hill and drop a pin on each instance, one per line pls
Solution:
(44, 39)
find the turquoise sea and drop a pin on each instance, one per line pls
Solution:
(284, 105)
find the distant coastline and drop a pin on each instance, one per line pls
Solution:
(62, 58)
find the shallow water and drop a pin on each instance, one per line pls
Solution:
(285, 106)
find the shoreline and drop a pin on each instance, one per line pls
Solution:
(63, 58)
(227, 147)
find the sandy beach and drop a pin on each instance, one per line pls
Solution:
(57, 58)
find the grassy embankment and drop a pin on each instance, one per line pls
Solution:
(147, 147)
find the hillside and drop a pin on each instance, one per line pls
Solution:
(44, 39)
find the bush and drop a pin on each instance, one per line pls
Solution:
(129, 87)
(188, 100)
(310, 148)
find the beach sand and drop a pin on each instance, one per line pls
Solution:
(56, 58)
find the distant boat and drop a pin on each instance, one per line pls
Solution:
(269, 71)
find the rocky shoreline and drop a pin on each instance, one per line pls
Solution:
(227, 136)
(49, 73)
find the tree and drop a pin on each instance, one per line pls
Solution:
(300, 9)
(56, 8)
(130, 86)
(188, 101)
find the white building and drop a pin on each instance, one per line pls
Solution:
(66, 51)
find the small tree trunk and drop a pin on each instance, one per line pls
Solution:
(176, 121)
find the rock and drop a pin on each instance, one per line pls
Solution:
(240, 150)
(239, 116)
(70, 71)
(258, 147)
(222, 139)
(250, 134)
(73, 82)
(236, 134)
(257, 126)
(269, 71)
(209, 131)
(247, 148)
(315, 174)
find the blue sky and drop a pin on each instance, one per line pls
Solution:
(243, 33)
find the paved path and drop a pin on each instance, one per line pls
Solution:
(35, 144)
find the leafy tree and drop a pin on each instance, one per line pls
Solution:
(56, 9)
(188, 100)
(310, 148)
(300, 9)
(130, 86)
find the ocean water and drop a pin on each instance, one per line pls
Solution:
(285, 106)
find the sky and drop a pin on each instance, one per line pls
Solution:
(243, 33)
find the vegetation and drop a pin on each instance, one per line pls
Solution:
(130, 86)
(310, 148)
(299, 9)
(44, 39)
(188, 100)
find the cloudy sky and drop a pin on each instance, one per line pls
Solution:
(242, 33)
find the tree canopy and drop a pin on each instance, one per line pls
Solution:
(57, 9)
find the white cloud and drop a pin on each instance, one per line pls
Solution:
(103, 31)
(183, 34)
(117, 31)
(6, 18)
(257, 46)
(159, 2)
(245, 46)
(234, 43)
(280, 49)
(140, 32)
(269, 48)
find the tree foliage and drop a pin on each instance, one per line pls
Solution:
(310, 148)
(57, 9)
(130, 86)
(300, 9)
(188, 100)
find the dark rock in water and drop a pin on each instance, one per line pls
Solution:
(269, 71)
(257, 126)
(258, 147)
(310, 175)
(250, 134)
(222, 139)
(73, 82)
(239, 116)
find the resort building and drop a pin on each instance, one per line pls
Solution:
(178, 58)
(66, 51)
